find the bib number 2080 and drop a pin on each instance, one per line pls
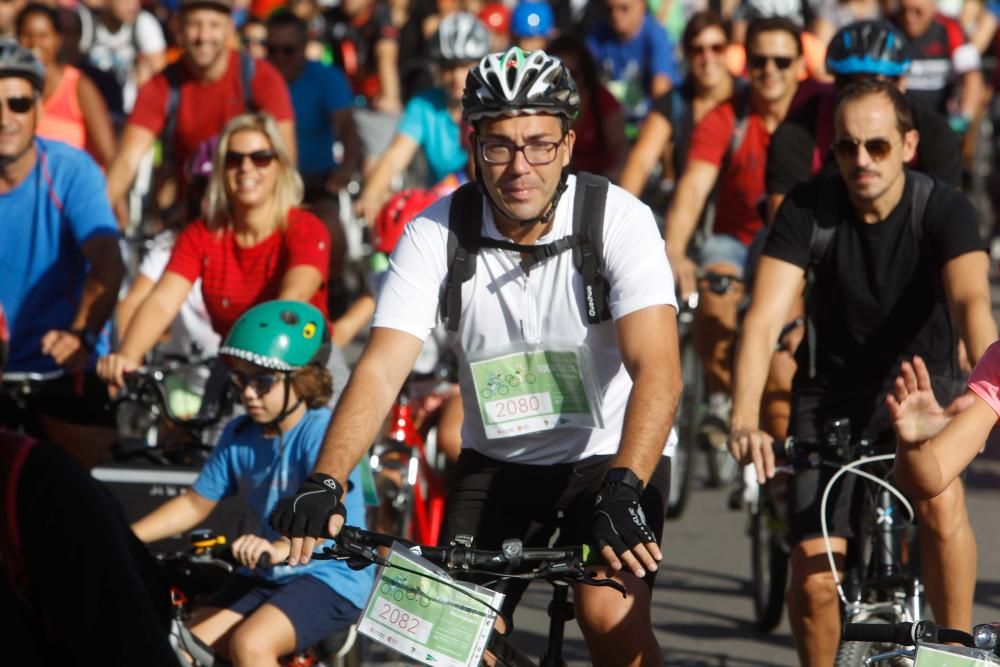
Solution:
(528, 405)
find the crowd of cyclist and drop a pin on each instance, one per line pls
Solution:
(247, 138)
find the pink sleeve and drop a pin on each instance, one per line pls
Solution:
(985, 378)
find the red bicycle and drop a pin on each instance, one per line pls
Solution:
(408, 466)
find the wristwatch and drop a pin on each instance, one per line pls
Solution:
(622, 476)
(87, 338)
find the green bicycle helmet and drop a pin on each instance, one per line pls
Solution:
(515, 83)
(281, 335)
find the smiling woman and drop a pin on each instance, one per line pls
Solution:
(254, 244)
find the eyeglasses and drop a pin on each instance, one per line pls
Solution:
(704, 49)
(278, 49)
(20, 104)
(260, 159)
(536, 153)
(877, 149)
(760, 62)
(261, 383)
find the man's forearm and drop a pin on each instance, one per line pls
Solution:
(356, 422)
(649, 416)
(750, 369)
(100, 294)
(977, 327)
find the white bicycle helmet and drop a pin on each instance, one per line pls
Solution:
(514, 83)
(461, 37)
(15, 60)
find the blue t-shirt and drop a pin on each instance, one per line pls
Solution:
(317, 93)
(246, 463)
(428, 121)
(629, 67)
(44, 221)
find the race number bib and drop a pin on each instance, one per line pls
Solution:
(536, 389)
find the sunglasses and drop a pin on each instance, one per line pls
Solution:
(261, 383)
(21, 104)
(277, 49)
(260, 159)
(877, 149)
(704, 49)
(760, 62)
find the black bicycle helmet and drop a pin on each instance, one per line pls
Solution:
(515, 83)
(460, 38)
(15, 60)
(868, 47)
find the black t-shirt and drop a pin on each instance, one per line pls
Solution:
(803, 140)
(354, 39)
(878, 296)
(675, 106)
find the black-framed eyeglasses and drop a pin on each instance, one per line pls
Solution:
(758, 61)
(536, 153)
(261, 383)
(19, 104)
(260, 159)
(878, 149)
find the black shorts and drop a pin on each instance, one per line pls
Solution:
(314, 609)
(494, 501)
(811, 407)
(74, 398)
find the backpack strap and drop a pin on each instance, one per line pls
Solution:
(247, 70)
(741, 107)
(588, 254)
(823, 230)
(923, 188)
(172, 73)
(465, 222)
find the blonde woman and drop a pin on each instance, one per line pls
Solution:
(253, 244)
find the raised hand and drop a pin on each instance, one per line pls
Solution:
(916, 414)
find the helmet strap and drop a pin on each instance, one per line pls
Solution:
(285, 408)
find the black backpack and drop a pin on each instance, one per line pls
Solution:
(465, 221)
(825, 227)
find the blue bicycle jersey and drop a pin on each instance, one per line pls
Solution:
(428, 122)
(317, 94)
(45, 220)
(262, 471)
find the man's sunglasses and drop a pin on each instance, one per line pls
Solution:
(260, 159)
(760, 62)
(277, 49)
(877, 149)
(20, 104)
(704, 49)
(261, 383)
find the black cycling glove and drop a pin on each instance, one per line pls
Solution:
(308, 512)
(619, 521)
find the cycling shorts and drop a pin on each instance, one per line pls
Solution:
(811, 406)
(723, 249)
(495, 500)
(314, 609)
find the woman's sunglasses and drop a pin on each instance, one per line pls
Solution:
(260, 159)
(877, 149)
(704, 49)
(261, 383)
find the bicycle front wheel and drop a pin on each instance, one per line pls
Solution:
(769, 564)
(687, 420)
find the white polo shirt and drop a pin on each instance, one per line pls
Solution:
(502, 305)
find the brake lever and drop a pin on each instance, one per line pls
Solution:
(897, 653)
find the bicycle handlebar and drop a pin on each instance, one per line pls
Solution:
(152, 377)
(905, 634)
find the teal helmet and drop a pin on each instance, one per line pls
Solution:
(281, 335)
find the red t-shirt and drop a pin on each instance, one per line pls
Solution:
(206, 106)
(590, 152)
(234, 278)
(741, 184)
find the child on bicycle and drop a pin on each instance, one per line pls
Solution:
(277, 353)
(935, 444)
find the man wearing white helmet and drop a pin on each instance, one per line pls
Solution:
(569, 374)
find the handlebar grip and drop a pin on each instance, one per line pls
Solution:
(264, 560)
(896, 633)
